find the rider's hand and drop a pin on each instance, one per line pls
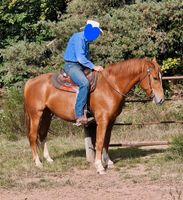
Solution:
(98, 68)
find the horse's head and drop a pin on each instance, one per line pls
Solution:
(151, 81)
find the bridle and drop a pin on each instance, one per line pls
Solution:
(149, 81)
(124, 95)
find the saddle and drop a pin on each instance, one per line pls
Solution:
(63, 81)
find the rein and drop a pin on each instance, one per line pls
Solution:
(124, 95)
(121, 94)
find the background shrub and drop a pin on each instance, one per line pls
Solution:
(131, 29)
(19, 18)
(172, 66)
(12, 115)
(176, 149)
(25, 60)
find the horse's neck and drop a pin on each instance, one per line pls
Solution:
(123, 82)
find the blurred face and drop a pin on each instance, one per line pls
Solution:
(91, 33)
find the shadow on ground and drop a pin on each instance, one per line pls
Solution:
(116, 154)
(128, 153)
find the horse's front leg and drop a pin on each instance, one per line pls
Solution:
(100, 136)
(107, 162)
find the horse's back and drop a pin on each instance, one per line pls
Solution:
(38, 79)
(35, 89)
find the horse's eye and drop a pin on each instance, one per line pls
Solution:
(155, 78)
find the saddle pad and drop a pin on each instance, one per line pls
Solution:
(62, 81)
(61, 84)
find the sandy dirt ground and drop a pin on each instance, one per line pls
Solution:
(87, 185)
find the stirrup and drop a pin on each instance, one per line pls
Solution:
(89, 120)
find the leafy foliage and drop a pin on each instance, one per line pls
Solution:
(18, 18)
(25, 60)
(172, 66)
(176, 149)
(133, 28)
(12, 117)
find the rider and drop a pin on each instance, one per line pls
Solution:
(76, 58)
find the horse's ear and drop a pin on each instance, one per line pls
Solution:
(154, 60)
(146, 58)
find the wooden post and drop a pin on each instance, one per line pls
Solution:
(90, 132)
(140, 144)
(89, 148)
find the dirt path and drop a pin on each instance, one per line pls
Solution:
(87, 185)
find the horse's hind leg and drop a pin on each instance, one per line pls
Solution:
(43, 132)
(33, 135)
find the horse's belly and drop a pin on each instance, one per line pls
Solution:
(62, 104)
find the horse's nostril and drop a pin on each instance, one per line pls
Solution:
(161, 101)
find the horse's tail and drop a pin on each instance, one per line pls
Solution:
(26, 117)
(27, 120)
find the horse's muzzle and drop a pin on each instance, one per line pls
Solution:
(158, 100)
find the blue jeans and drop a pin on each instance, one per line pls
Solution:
(75, 71)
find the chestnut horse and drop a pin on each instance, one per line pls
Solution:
(42, 100)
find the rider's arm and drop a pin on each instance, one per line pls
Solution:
(81, 50)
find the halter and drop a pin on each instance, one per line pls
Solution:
(150, 85)
(124, 95)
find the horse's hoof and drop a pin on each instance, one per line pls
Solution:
(49, 160)
(39, 165)
(110, 165)
(102, 172)
(99, 167)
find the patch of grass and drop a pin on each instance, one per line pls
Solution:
(6, 182)
(131, 156)
(41, 183)
(12, 115)
(133, 164)
(138, 112)
(176, 148)
(60, 127)
(161, 168)
(17, 166)
(138, 165)
(176, 194)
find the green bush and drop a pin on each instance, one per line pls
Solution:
(172, 66)
(25, 60)
(131, 29)
(146, 28)
(12, 115)
(19, 18)
(176, 149)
